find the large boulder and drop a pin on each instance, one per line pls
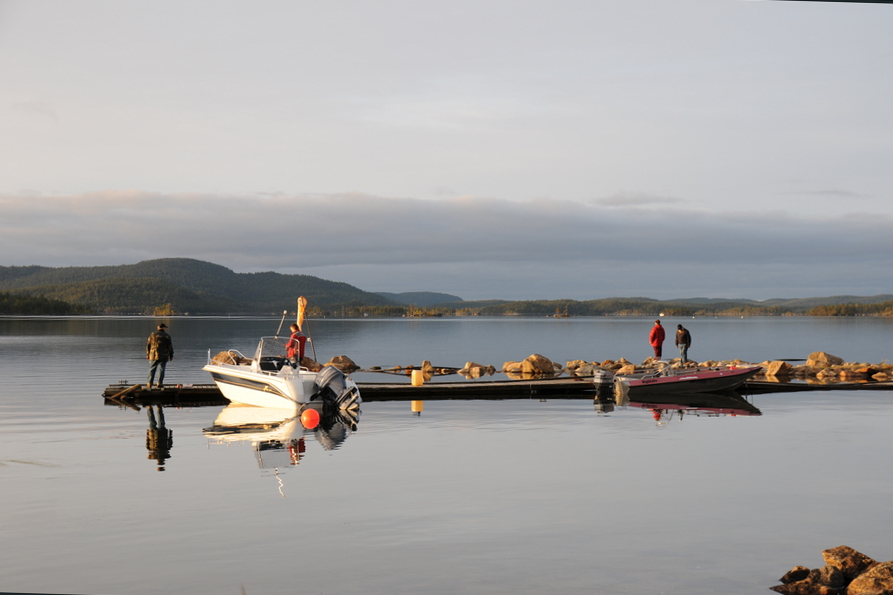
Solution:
(472, 370)
(230, 357)
(877, 580)
(827, 580)
(627, 369)
(850, 562)
(538, 365)
(511, 367)
(574, 364)
(343, 363)
(311, 364)
(797, 573)
(853, 374)
(846, 571)
(820, 359)
(778, 368)
(587, 370)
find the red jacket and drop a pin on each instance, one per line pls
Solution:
(657, 335)
(295, 345)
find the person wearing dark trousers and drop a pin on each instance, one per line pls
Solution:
(656, 338)
(683, 342)
(159, 351)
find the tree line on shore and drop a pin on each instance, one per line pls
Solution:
(177, 286)
(614, 307)
(159, 303)
(36, 305)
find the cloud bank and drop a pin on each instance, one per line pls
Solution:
(475, 247)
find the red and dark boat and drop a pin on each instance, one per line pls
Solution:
(699, 380)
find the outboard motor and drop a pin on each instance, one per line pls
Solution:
(331, 386)
(603, 381)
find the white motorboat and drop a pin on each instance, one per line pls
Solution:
(270, 379)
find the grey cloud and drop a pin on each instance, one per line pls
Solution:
(830, 194)
(635, 200)
(494, 247)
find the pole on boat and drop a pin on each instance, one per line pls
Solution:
(284, 314)
(302, 306)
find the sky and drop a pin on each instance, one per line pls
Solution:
(516, 149)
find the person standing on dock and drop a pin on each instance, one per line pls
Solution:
(683, 342)
(159, 351)
(656, 338)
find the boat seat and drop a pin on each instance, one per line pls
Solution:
(271, 365)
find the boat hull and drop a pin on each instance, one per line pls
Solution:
(289, 389)
(705, 381)
(261, 389)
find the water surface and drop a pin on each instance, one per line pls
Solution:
(474, 496)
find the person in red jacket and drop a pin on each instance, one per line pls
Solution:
(295, 345)
(656, 338)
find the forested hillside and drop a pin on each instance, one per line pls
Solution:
(181, 285)
(832, 306)
(420, 298)
(34, 305)
(186, 286)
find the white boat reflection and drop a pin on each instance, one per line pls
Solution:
(277, 435)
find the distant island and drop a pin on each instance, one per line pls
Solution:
(184, 286)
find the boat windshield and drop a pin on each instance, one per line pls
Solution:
(272, 347)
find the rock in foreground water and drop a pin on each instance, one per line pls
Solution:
(846, 572)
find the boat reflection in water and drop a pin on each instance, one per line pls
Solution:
(699, 404)
(277, 436)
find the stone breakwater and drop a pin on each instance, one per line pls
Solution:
(820, 368)
(846, 572)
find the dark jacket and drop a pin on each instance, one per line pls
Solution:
(683, 337)
(159, 346)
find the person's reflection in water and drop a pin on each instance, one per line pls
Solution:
(296, 450)
(159, 439)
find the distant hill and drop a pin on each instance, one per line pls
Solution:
(186, 285)
(799, 303)
(183, 285)
(829, 301)
(881, 305)
(421, 298)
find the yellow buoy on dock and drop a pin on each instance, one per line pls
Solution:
(418, 378)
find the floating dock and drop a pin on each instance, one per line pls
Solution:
(187, 395)
(197, 395)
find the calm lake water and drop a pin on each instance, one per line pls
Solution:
(472, 496)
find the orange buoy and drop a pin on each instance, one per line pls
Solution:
(310, 418)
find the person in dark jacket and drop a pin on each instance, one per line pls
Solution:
(683, 342)
(656, 338)
(159, 351)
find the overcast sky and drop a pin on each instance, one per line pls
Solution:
(489, 149)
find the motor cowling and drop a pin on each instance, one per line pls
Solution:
(331, 385)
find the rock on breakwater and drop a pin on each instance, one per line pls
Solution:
(846, 572)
